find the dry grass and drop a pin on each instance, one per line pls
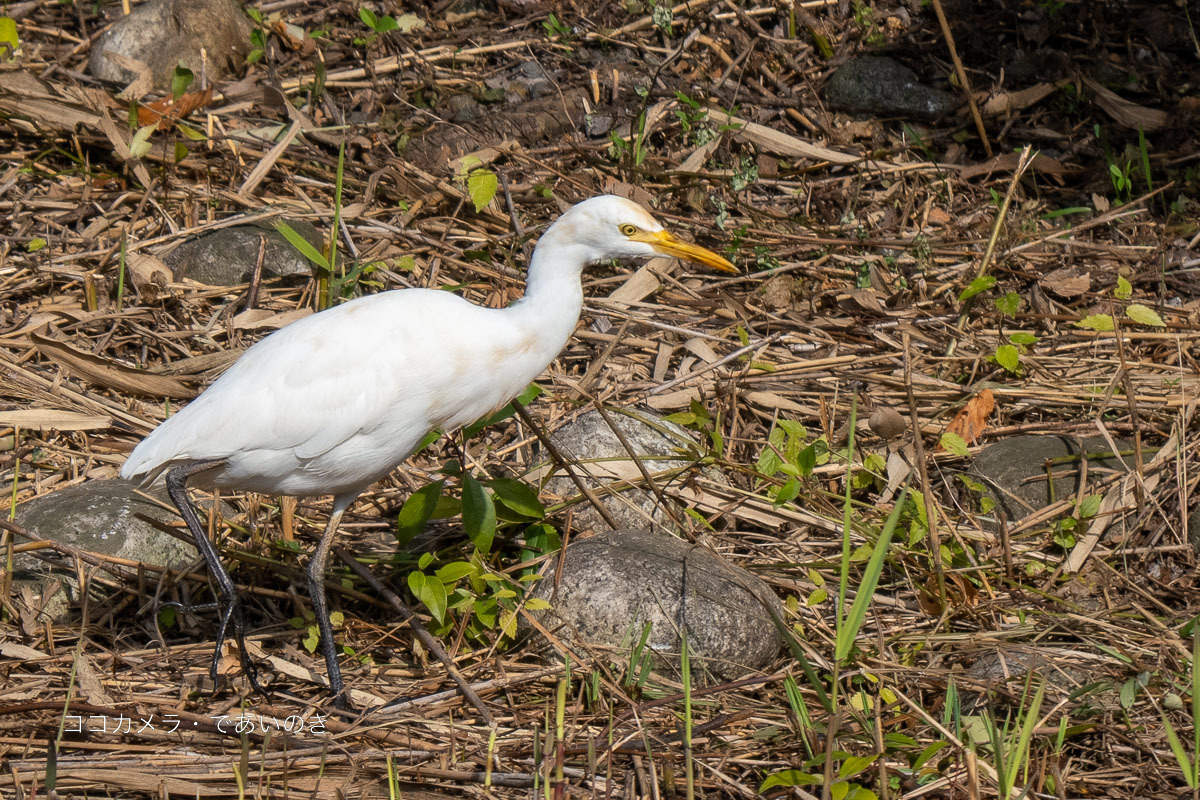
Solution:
(852, 300)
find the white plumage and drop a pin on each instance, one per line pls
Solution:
(332, 403)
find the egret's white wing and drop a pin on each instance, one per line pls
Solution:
(376, 361)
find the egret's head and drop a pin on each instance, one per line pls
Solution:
(613, 227)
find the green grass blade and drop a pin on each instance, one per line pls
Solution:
(300, 243)
(1185, 763)
(848, 631)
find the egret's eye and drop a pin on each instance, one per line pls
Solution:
(628, 229)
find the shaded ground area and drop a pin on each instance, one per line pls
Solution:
(904, 278)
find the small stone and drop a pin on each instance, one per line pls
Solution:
(660, 445)
(777, 292)
(1015, 470)
(596, 125)
(164, 33)
(100, 516)
(462, 108)
(610, 586)
(880, 85)
(226, 256)
(887, 423)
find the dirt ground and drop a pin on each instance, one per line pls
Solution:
(915, 289)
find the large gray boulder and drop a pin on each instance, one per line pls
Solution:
(610, 586)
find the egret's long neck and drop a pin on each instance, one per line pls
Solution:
(553, 291)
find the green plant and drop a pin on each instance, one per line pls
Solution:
(483, 599)
(258, 36)
(745, 172)
(556, 28)
(864, 19)
(465, 590)
(787, 453)
(482, 184)
(10, 41)
(693, 120)
(376, 24)
(1010, 742)
(662, 16)
(1190, 766)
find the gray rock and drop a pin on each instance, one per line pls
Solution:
(463, 108)
(226, 256)
(596, 125)
(879, 85)
(612, 584)
(997, 678)
(659, 445)
(1015, 469)
(534, 78)
(101, 517)
(164, 33)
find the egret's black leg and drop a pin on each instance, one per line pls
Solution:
(316, 590)
(230, 605)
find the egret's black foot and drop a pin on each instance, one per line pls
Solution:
(190, 608)
(231, 611)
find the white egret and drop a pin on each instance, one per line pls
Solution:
(332, 403)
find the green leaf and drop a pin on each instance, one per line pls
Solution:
(1181, 756)
(386, 23)
(303, 245)
(1008, 357)
(769, 461)
(517, 496)
(482, 185)
(417, 511)
(368, 17)
(9, 40)
(190, 132)
(455, 571)
(953, 443)
(1128, 693)
(980, 284)
(1096, 322)
(35, 244)
(433, 595)
(1144, 315)
(537, 604)
(855, 764)
(479, 514)
(1009, 303)
(1123, 291)
(1023, 339)
(787, 492)
(181, 79)
(140, 144)
(806, 459)
(1090, 506)
(789, 777)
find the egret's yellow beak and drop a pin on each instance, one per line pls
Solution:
(668, 245)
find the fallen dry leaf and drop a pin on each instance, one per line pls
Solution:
(1066, 282)
(167, 111)
(971, 421)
